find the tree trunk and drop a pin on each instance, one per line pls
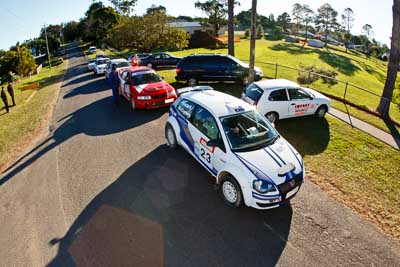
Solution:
(307, 32)
(231, 31)
(393, 66)
(252, 39)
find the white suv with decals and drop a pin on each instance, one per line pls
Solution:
(236, 144)
(281, 99)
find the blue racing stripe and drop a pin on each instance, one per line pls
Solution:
(246, 164)
(277, 162)
(276, 154)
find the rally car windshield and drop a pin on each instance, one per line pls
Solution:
(145, 78)
(101, 61)
(248, 131)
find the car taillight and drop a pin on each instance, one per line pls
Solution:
(178, 70)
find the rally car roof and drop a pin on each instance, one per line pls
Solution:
(136, 69)
(220, 104)
(276, 83)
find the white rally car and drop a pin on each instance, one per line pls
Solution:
(100, 65)
(281, 99)
(236, 144)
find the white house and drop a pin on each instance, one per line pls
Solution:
(190, 26)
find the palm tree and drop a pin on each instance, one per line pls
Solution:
(231, 32)
(253, 39)
(393, 66)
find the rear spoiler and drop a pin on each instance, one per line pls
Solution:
(194, 88)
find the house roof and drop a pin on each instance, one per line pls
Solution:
(185, 24)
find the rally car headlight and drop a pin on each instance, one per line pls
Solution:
(144, 97)
(170, 93)
(263, 187)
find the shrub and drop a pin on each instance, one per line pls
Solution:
(329, 73)
(247, 34)
(259, 32)
(310, 75)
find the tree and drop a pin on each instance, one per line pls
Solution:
(244, 18)
(347, 22)
(393, 66)
(367, 31)
(185, 18)
(252, 39)
(308, 17)
(98, 22)
(216, 10)
(231, 30)
(155, 8)
(19, 61)
(53, 36)
(326, 19)
(284, 20)
(259, 32)
(297, 13)
(124, 7)
(147, 33)
(71, 31)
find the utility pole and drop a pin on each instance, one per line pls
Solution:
(252, 40)
(47, 45)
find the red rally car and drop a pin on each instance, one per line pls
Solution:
(145, 89)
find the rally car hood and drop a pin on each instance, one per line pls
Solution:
(152, 87)
(275, 162)
(317, 95)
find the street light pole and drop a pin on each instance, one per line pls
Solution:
(47, 45)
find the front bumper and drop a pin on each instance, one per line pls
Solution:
(154, 103)
(265, 203)
(100, 71)
(287, 191)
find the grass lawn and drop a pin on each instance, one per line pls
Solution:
(27, 119)
(351, 166)
(352, 67)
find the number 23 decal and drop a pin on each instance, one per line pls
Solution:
(205, 155)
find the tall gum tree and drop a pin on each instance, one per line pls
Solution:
(393, 66)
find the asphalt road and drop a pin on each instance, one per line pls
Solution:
(103, 190)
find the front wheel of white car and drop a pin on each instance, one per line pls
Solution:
(321, 111)
(170, 136)
(231, 192)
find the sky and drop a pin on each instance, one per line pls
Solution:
(22, 19)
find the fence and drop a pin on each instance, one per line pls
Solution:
(344, 92)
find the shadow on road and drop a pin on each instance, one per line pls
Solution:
(162, 212)
(96, 119)
(94, 86)
(310, 136)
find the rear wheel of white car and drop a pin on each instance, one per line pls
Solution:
(231, 191)
(321, 111)
(192, 81)
(149, 65)
(132, 101)
(170, 136)
(272, 117)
